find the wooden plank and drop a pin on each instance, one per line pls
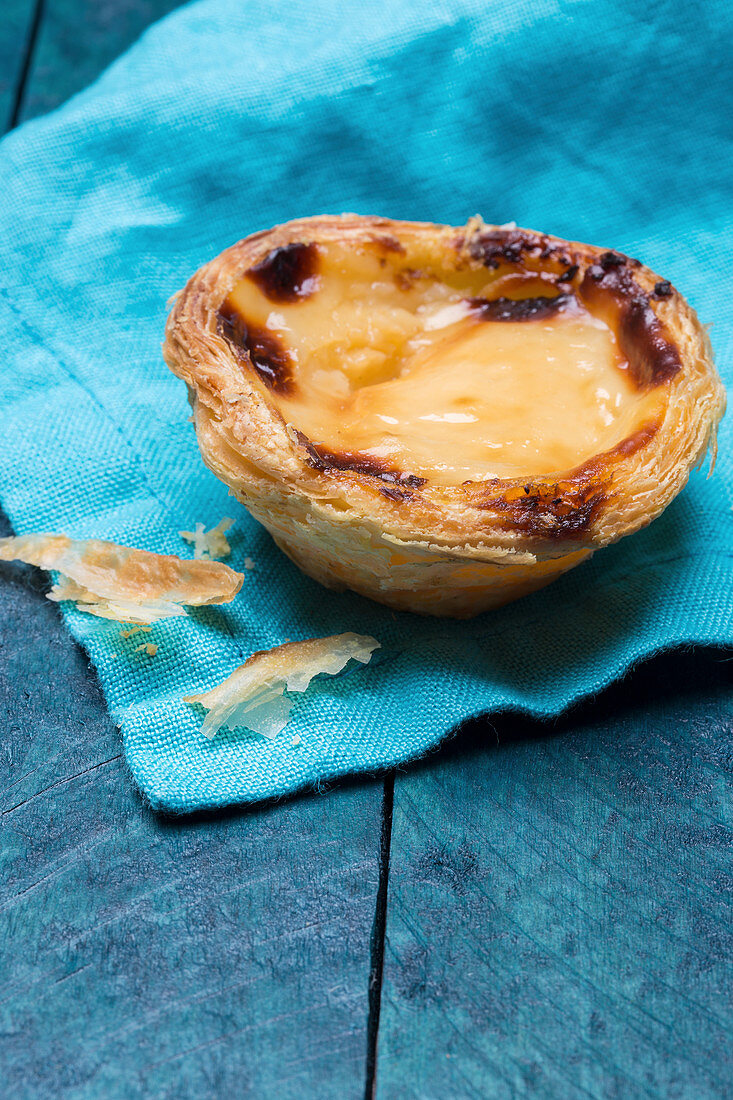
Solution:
(17, 21)
(149, 957)
(559, 922)
(77, 40)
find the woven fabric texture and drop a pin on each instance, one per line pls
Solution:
(601, 122)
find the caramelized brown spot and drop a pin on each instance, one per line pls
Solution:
(387, 243)
(608, 288)
(393, 492)
(568, 507)
(612, 259)
(257, 345)
(644, 340)
(611, 291)
(394, 484)
(406, 279)
(519, 309)
(550, 510)
(569, 275)
(507, 246)
(625, 449)
(287, 274)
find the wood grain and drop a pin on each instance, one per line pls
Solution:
(558, 923)
(164, 958)
(77, 40)
(139, 956)
(15, 33)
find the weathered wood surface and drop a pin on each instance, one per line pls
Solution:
(77, 39)
(556, 917)
(16, 24)
(559, 918)
(143, 957)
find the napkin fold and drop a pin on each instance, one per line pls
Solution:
(607, 123)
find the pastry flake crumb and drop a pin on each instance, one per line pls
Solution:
(297, 740)
(209, 544)
(120, 582)
(147, 647)
(475, 225)
(253, 696)
(131, 631)
(248, 563)
(128, 611)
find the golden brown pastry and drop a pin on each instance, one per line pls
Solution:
(442, 418)
(120, 582)
(254, 694)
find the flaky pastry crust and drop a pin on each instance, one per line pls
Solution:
(460, 549)
(121, 582)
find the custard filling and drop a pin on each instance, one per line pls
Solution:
(448, 376)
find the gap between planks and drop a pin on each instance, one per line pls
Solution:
(30, 49)
(379, 929)
(377, 943)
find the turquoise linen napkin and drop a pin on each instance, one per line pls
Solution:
(601, 122)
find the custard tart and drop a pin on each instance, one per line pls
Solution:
(442, 419)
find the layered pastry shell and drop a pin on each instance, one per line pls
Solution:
(276, 409)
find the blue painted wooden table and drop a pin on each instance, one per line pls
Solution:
(537, 910)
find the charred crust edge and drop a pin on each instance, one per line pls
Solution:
(559, 510)
(604, 281)
(288, 273)
(389, 482)
(610, 287)
(519, 309)
(564, 509)
(385, 242)
(256, 347)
